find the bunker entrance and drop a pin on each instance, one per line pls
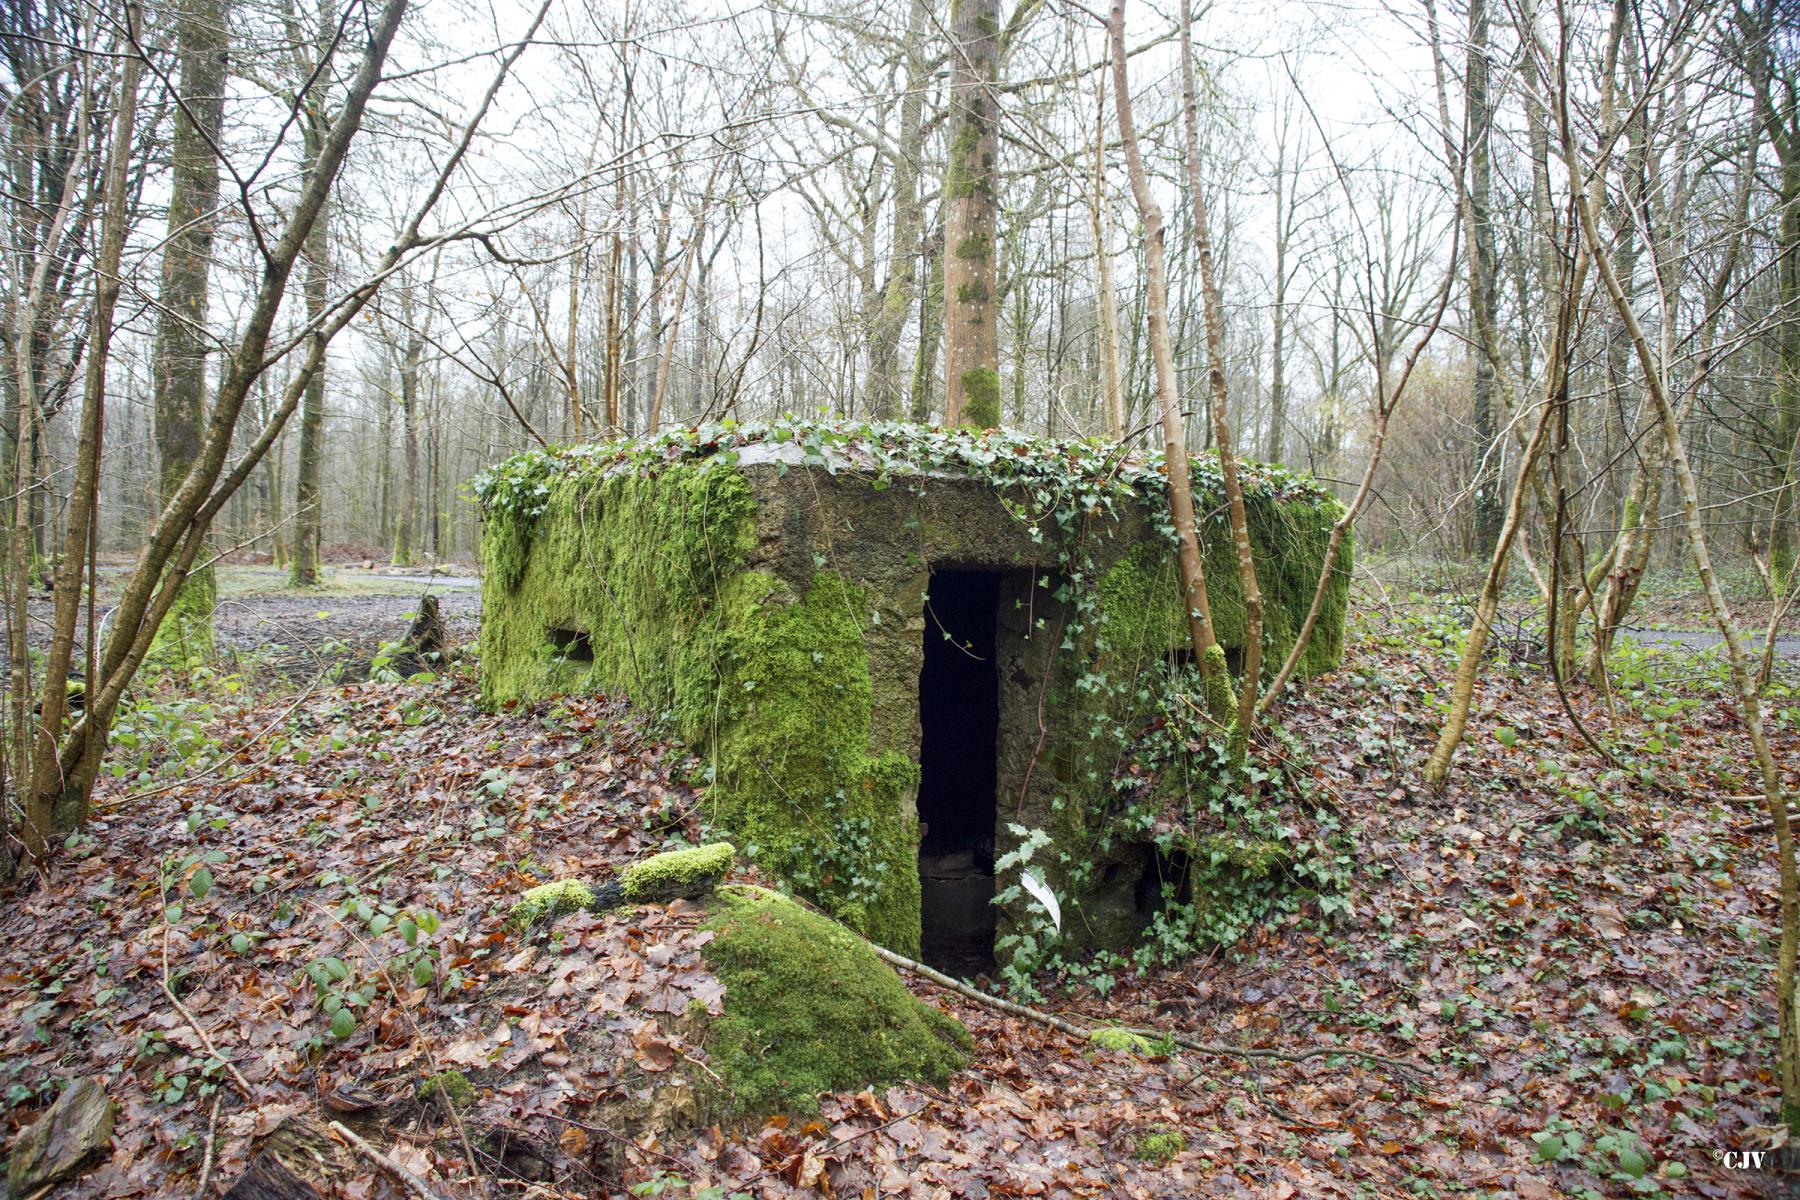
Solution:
(959, 722)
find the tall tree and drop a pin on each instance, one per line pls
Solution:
(414, 331)
(1483, 286)
(1775, 82)
(182, 340)
(1213, 298)
(1221, 699)
(971, 292)
(46, 804)
(886, 387)
(315, 124)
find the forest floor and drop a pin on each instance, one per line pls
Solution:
(1567, 970)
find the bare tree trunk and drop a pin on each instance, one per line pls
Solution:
(666, 358)
(45, 790)
(1483, 291)
(1215, 374)
(186, 640)
(1112, 382)
(971, 300)
(885, 385)
(1556, 377)
(931, 332)
(1287, 185)
(1221, 700)
(309, 516)
(1779, 117)
(407, 522)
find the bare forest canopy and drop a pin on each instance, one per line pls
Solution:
(671, 214)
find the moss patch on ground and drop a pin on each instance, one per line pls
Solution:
(678, 872)
(549, 900)
(450, 1089)
(809, 1008)
(1159, 1145)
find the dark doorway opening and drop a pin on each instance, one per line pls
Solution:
(959, 722)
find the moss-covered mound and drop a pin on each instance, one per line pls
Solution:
(809, 1008)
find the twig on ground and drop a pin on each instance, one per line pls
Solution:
(237, 1076)
(399, 1173)
(212, 1133)
(1070, 1029)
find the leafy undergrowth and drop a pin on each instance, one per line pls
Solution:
(1569, 967)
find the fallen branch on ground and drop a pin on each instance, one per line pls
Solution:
(400, 1173)
(1070, 1029)
(237, 1076)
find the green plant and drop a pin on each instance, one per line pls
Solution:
(1033, 939)
(395, 952)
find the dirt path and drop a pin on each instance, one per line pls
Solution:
(1786, 646)
(291, 630)
(265, 628)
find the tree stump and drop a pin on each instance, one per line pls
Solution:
(426, 641)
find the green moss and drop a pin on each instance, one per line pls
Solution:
(1215, 679)
(625, 565)
(972, 293)
(550, 900)
(184, 640)
(1145, 611)
(977, 247)
(787, 703)
(1108, 1038)
(647, 569)
(1159, 1145)
(809, 1008)
(960, 180)
(1252, 859)
(981, 403)
(678, 872)
(450, 1089)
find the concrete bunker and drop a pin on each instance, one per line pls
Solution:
(891, 646)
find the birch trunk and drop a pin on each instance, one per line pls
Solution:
(1215, 374)
(1221, 700)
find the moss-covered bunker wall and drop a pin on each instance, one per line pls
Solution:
(768, 587)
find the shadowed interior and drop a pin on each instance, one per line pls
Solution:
(959, 721)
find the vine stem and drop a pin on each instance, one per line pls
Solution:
(1080, 1033)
